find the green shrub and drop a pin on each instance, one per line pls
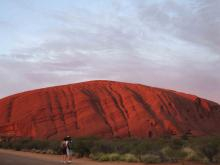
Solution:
(129, 158)
(217, 157)
(124, 146)
(103, 157)
(55, 147)
(83, 146)
(173, 155)
(192, 155)
(176, 143)
(210, 150)
(36, 144)
(103, 146)
(147, 147)
(99, 157)
(49, 151)
(114, 156)
(206, 146)
(19, 144)
(150, 158)
(141, 148)
(95, 156)
(6, 145)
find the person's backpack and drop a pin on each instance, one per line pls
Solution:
(63, 145)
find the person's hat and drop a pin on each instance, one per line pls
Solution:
(68, 137)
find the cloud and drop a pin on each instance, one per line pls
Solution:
(157, 44)
(195, 21)
(5, 24)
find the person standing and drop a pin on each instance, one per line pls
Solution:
(63, 147)
(68, 149)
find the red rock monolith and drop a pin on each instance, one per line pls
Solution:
(106, 109)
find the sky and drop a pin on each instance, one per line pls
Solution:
(172, 44)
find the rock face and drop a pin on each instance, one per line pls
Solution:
(106, 109)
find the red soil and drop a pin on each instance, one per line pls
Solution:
(106, 109)
(52, 159)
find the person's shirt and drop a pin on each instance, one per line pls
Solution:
(67, 144)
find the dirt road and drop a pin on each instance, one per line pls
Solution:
(10, 157)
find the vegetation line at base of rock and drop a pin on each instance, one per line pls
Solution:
(166, 149)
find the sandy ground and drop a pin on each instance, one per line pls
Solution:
(10, 157)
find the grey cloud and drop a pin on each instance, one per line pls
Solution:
(5, 24)
(203, 27)
(196, 21)
(151, 49)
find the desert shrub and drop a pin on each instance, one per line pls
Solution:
(147, 147)
(173, 155)
(142, 148)
(206, 146)
(129, 158)
(196, 158)
(28, 144)
(124, 146)
(191, 155)
(83, 146)
(100, 156)
(49, 151)
(210, 150)
(150, 158)
(185, 137)
(103, 146)
(37, 144)
(217, 157)
(5, 145)
(176, 143)
(105, 157)
(34, 150)
(54, 146)
(114, 156)
(19, 144)
(95, 156)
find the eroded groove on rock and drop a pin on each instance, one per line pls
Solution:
(73, 107)
(146, 106)
(51, 114)
(59, 113)
(10, 109)
(165, 113)
(119, 108)
(120, 100)
(94, 99)
(58, 106)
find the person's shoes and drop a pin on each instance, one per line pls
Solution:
(69, 161)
